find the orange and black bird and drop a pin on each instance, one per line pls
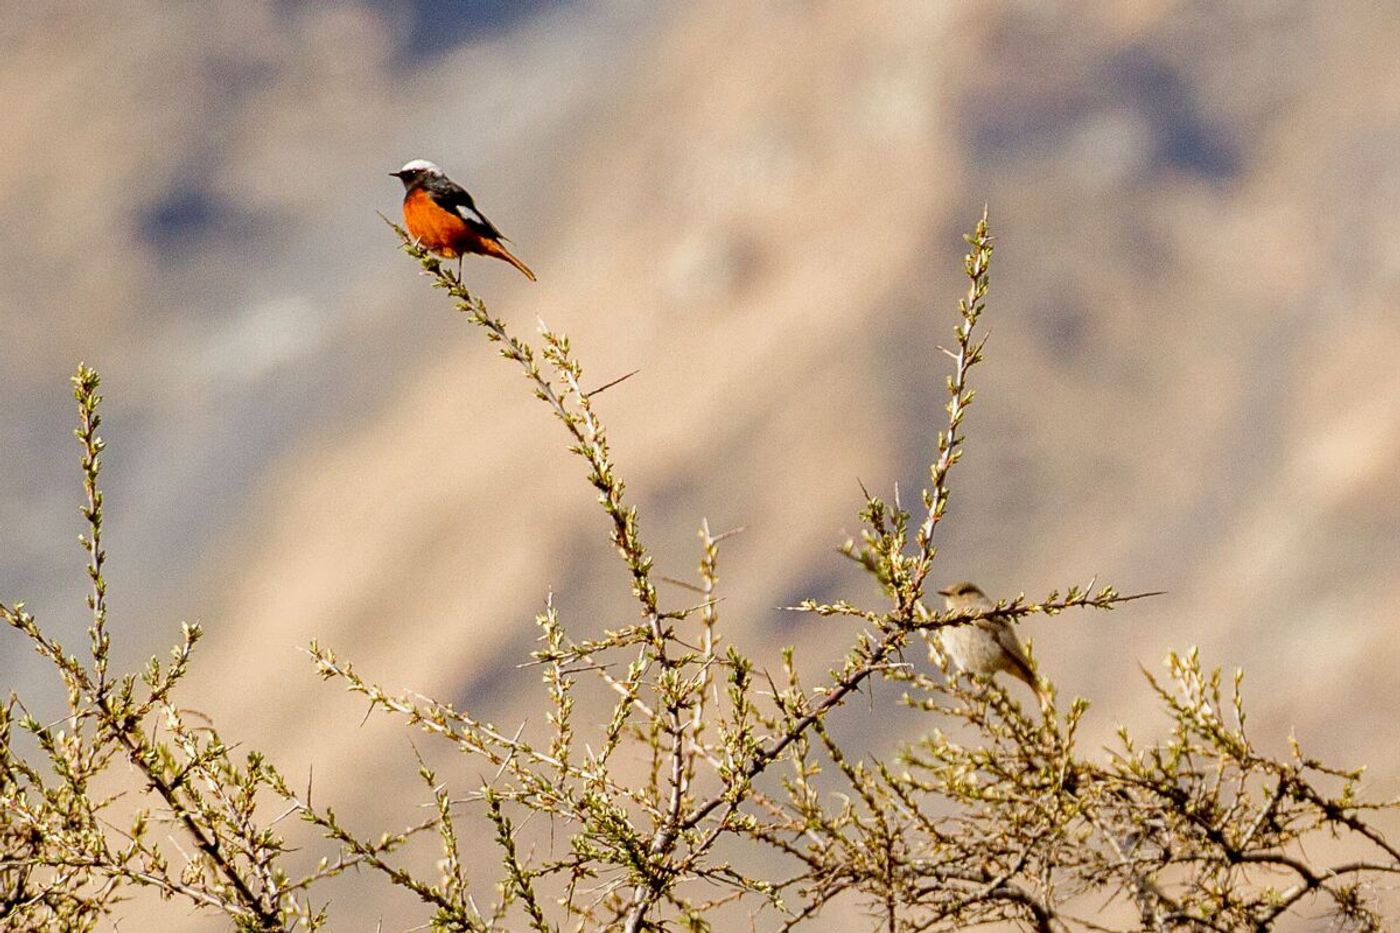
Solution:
(443, 218)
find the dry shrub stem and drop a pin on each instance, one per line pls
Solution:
(705, 766)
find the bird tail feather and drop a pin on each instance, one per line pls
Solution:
(500, 252)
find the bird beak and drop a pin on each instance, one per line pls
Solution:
(396, 174)
(947, 592)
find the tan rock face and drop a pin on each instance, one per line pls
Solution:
(1190, 382)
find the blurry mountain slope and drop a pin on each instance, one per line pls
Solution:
(1190, 381)
(765, 235)
(193, 192)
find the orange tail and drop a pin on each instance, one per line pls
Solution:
(495, 248)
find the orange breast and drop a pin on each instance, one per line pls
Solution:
(439, 230)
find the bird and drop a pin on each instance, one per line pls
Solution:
(984, 646)
(442, 217)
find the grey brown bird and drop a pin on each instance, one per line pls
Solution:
(987, 645)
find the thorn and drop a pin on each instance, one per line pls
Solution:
(1130, 598)
(683, 584)
(608, 385)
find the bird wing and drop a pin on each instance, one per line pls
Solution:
(451, 196)
(1005, 635)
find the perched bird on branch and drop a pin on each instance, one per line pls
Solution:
(986, 645)
(442, 217)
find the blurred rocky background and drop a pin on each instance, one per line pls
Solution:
(1191, 381)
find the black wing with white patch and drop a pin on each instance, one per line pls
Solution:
(453, 197)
